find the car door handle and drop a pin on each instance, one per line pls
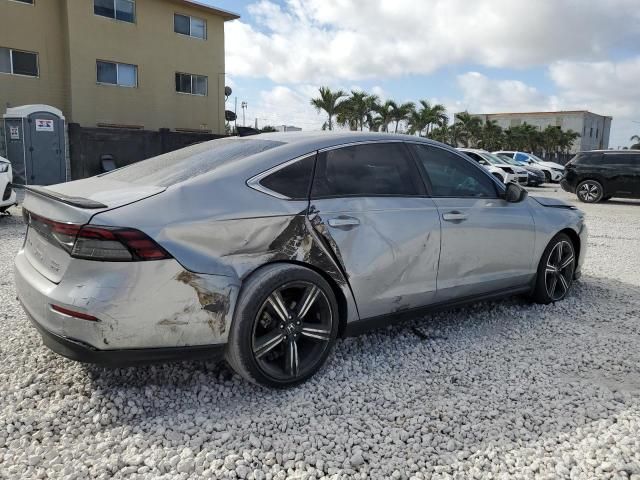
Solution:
(344, 222)
(454, 216)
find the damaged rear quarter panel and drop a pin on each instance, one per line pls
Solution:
(146, 304)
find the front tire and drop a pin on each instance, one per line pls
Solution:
(555, 270)
(589, 191)
(284, 328)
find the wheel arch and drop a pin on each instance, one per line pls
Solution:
(575, 239)
(341, 300)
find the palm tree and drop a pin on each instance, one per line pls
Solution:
(329, 102)
(386, 114)
(401, 112)
(491, 136)
(469, 128)
(355, 111)
(434, 115)
(566, 140)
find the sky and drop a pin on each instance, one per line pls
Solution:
(483, 56)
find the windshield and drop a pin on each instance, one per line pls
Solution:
(509, 160)
(492, 159)
(535, 159)
(181, 165)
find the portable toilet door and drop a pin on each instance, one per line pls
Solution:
(36, 144)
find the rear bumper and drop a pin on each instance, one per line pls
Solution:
(139, 306)
(81, 352)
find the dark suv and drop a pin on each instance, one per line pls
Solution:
(601, 174)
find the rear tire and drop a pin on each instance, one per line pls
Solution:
(284, 328)
(555, 270)
(589, 191)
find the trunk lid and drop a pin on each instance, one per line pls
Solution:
(70, 203)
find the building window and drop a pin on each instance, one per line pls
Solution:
(30, 2)
(18, 62)
(124, 10)
(191, 84)
(591, 133)
(121, 74)
(192, 26)
(597, 131)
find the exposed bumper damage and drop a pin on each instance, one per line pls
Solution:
(139, 305)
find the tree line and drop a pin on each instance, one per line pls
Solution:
(358, 110)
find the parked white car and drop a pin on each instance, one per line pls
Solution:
(552, 171)
(497, 167)
(7, 194)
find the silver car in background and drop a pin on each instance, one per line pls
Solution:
(268, 248)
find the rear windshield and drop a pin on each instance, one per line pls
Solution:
(175, 167)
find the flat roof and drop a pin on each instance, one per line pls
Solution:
(227, 15)
(559, 112)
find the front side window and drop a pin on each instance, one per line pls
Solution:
(366, 170)
(121, 74)
(192, 26)
(18, 62)
(452, 176)
(191, 84)
(124, 10)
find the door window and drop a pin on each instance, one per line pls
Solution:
(621, 159)
(376, 169)
(451, 176)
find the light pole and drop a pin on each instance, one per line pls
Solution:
(243, 105)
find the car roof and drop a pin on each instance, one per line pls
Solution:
(612, 151)
(322, 139)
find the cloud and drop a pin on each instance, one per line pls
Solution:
(481, 94)
(324, 41)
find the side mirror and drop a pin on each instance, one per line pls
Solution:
(514, 193)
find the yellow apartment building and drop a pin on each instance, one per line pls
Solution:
(144, 64)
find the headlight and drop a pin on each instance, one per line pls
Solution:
(4, 167)
(556, 169)
(507, 169)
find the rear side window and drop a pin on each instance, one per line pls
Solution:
(366, 170)
(292, 181)
(588, 159)
(187, 163)
(621, 159)
(452, 176)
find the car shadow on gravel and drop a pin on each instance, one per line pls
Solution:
(505, 373)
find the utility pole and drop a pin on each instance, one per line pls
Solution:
(235, 110)
(244, 107)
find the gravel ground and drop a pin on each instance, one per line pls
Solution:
(497, 390)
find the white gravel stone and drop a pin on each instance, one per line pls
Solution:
(507, 389)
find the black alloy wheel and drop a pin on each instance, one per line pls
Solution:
(589, 191)
(292, 330)
(559, 270)
(284, 327)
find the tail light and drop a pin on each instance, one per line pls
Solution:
(89, 242)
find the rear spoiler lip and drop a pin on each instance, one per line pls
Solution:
(79, 202)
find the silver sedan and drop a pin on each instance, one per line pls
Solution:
(266, 249)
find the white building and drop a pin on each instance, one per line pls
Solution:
(593, 129)
(288, 128)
